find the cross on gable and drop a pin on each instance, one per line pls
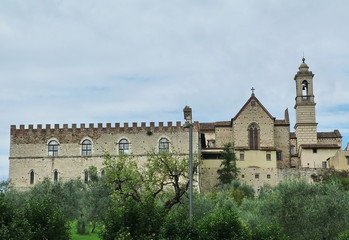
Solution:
(252, 89)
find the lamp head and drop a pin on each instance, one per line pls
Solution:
(187, 114)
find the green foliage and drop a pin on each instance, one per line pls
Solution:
(176, 224)
(343, 236)
(303, 211)
(4, 186)
(222, 224)
(12, 226)
(161, 171)
(228, 171)
(67, 196)
(341, 177)
(137, 220)
(237, 190)
(96, 200)
(90, 236)
(269, 232)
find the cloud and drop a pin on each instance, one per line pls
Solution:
(130, 61)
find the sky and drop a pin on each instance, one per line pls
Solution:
(87, 61)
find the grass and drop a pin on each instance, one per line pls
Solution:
(90, 236)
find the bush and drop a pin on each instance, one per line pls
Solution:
(139, 220)
(45, 220)
(177, 225)
(12, 226)
(222, 224)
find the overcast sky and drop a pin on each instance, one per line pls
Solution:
(87, 61)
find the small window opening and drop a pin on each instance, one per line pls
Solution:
(278, 156)
(86, 176)
(268, 156)
(32, 176)
(55, 176)
(256, 176)
(314, 150)
(305, 90)
(242, 156)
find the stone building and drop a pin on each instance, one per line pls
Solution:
(266, 149)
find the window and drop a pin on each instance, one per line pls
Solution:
(278, 156)
(53, 148)
(324, 164)
(256, 176)
(293, 150)
(164, 145)
(242, 176)
(314, 150)
(253, 136)
(31, 176)
(86, 148)
(103, 173)
(55, 176)
(347, 157)
(86, 176)
(211, 143)
(242, 156)
(268, 156)
(268, 176)
(123, 146)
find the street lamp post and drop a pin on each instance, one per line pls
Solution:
(188, 124)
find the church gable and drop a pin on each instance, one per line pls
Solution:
(253, 126)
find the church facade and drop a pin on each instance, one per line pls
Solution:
(266, 148)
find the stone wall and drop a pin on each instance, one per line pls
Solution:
(282, 143)
(253, 113)
(258, 177)
(29, 147)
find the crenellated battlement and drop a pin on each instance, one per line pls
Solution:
(92, 129)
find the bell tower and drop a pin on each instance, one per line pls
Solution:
(306, 126)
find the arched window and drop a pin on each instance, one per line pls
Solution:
(55, 176)
(53, 148)
(253, 136)
(103, 173)
(32, 177)
(86, 148)
(305, 90)
(164, 145)
(123, 146)
(86, 176)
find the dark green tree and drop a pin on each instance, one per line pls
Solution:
(228, 171)
(45, 219)
(12, 225)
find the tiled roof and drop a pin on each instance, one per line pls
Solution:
(207, 126)
(334, 134)
(310, 146)
(223, 124)
(281, 122)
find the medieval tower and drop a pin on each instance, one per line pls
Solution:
(306, 126)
